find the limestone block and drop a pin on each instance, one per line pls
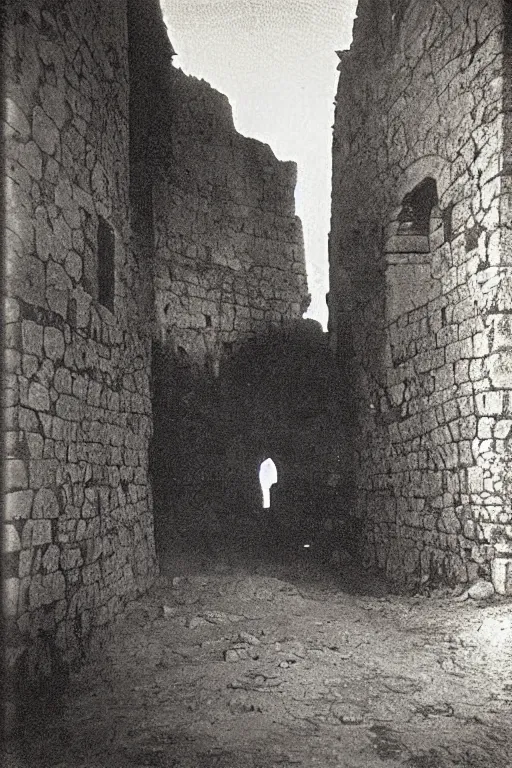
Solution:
(45, 590)
(17, 505)
(99, 182)
(25, 276)
(35, 533)
(62, 381)
(450, 522)
(16, 118)
(11, 540)
(16, 478)
(73, 265)
(81, 301)
(54, 345)
(475, 480)
(68, 407)
(500, 369)
(490, 403)
(70, 559)
(45, 504)
(501, 326)
(10, 596)
(502, 575)
(32, 337)
(54, 104)
(42, 473)
(25, 563)
(11, 310)
(44, 131)
(503, 429)
(52, 173)
(482, 590)
(480, 345)
(63, 238)
(51, 559)
(38, 397)
(31, 159)
(58, 286)
(45, 244)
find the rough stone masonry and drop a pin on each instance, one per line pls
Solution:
(421, 284)
(138, 218)
(94, 274)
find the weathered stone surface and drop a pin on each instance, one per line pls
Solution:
(17, 505)
(418, 281)
(16, 118)
(16, 478)
(45, 504)
(10, 596)
(32, 337)
(54, 344)
(482, 590)
(502, 575)
(11, 539)
(229, 258)
(38, 397)
(230, 262)
(45, 132)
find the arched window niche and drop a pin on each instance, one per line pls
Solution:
(416, 230)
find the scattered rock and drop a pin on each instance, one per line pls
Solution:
(482, 590)
(246, 637)
(348, 714)
(217, 617)
(231, 655)
(168, 611)
(177, 581)
(399, 684)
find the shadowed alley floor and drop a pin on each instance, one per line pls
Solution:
(245, 661)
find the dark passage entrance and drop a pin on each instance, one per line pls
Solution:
(268, 477)
(213, 475)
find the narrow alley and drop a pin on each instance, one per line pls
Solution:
(171, 339)
(240, 660)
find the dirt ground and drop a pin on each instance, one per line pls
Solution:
(249, 658)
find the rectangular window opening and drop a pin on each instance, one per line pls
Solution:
(106, 264)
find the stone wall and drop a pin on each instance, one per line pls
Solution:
(135, 212)
(78, 535)
(421, 277)
(227, 250)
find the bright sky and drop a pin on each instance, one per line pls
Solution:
(276, 62)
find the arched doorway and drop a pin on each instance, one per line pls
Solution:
(268, 478)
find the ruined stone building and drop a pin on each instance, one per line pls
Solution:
(421, 284)
(155, 281)
(137, 218)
